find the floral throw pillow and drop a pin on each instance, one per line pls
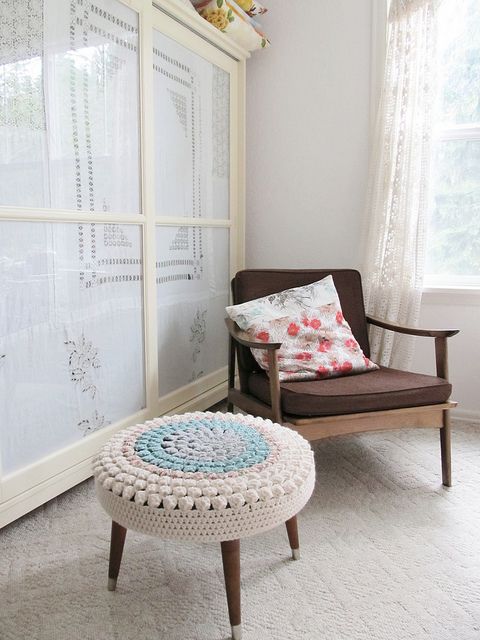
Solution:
(317, 341)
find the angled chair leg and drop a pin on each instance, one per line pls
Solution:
(446, 449)
(231, 370)
(117, 542)
(292, 531)
(231, 571)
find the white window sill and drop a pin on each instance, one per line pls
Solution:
(454, 295)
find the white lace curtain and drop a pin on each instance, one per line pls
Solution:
(65, 143)
(71, 304)
(399, 175)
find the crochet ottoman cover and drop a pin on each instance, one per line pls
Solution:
(204, 476)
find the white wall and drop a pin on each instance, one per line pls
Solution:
(308, 107)
(308, 113)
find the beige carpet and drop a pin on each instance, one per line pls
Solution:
(388, 554)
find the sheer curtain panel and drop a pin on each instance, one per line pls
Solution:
(397, 200)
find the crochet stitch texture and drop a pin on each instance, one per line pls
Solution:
(204, 476)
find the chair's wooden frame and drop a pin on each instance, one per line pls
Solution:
(436, 416)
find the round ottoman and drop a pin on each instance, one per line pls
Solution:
(204, 476)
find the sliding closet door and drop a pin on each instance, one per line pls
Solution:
(193, 91)
(120, 228)
(71, 225)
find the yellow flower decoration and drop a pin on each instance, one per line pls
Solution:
(245, 4)
(217, 17)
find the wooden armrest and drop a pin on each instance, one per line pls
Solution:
(412, 331)
(244, 339)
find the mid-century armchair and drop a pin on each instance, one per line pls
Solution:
(374, 401)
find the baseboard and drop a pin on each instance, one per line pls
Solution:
(36, 496)
(73, 474)
(466, 417)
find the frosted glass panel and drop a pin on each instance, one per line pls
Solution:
(192, 132)
(71, 334)
(69, 108)
(192, 286)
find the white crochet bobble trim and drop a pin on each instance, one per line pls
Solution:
(172, 501)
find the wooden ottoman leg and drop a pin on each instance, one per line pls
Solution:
(116, 550)
(231, 571)
(292, 530)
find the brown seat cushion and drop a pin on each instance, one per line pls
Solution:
(373, 391)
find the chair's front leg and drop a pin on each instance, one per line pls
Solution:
(275, 393)
(446, 449)
(231, 571)
(231, 370)
(441, 358)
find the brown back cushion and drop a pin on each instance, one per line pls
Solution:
(257, 283)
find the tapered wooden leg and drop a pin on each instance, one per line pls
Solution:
(292, 530)
(231, 370)
(446, 450)
(116, 550)
(231, 571)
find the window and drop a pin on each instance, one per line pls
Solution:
(453, 247)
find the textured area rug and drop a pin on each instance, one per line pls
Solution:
(387, 554)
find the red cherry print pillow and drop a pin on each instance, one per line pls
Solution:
(317, 341)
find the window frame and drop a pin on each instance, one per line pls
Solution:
(452, 282)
